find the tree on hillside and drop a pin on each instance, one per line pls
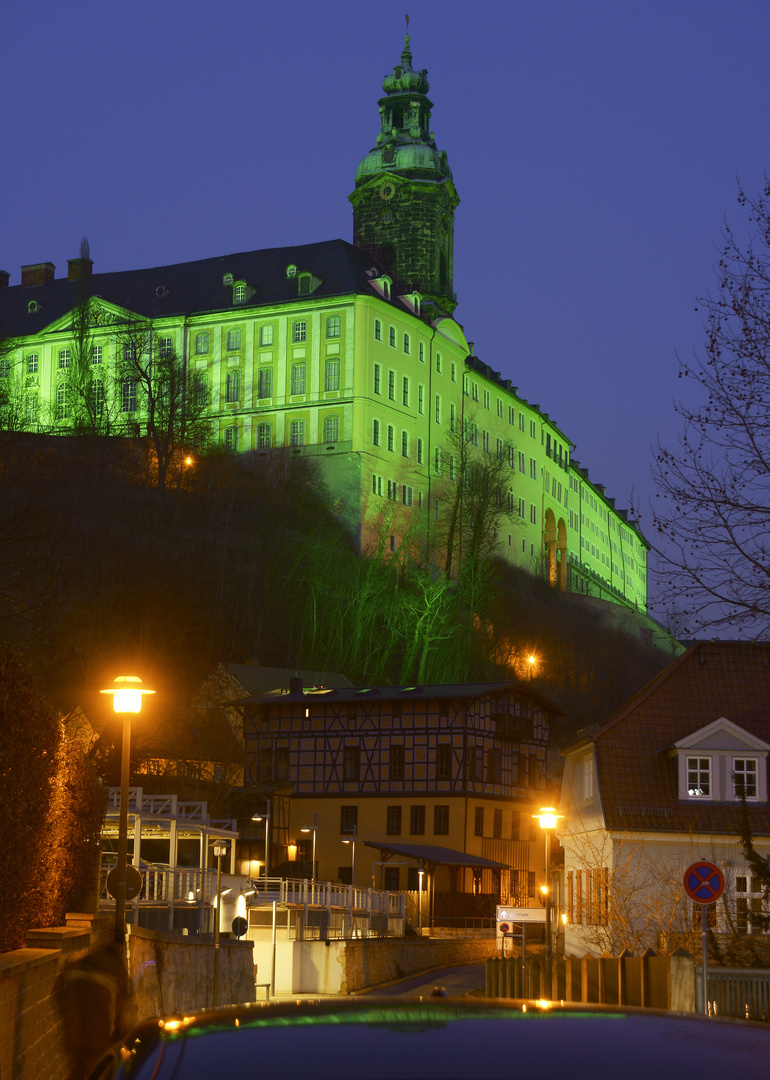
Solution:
(156, 389)
(712, 511)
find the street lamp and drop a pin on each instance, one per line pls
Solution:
(266, 818)
(314, 830)
(353, 861)
(127, 691)
(548, 819)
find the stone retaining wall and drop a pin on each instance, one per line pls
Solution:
(371, 962)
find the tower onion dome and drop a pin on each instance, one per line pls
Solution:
(405, 143)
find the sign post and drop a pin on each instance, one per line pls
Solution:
(704, 883)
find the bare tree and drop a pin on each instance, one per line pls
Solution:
(712, 512)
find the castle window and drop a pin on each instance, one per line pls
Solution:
(375, 432)
(165, 347)
(64, 358)
(299, 330)
(407, 495)
(437, 463)
(266, 334)
(62, 402)
(391, 438)
(97, 354)
(377, 330)
(239, 294)
(233, 340)
(128, 395)
(453, 371)
(376, 387)
(202, 343)
(96, 399)
(227, 279)
(32, 363)
(291, 270)
(298, 379)
(407, 344)
(397, 119)
(392, 338)
(438, 363)
(438, 409)
(200, 391)
(332, 375)
(405, 391)
(404, 444)
(421, 353)
(264, 437)
(231, 438)
(265, 383)
(392, 385)
(333, 326)
(233, 387)
(419, 451)
(421, 400)
(331, 429)
(297, 433)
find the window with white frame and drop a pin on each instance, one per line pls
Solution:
(588, 779)
(233, 387)
(33, 360)
(96, 398)
(699, 777)
(745, 777)
(332, 375)
(62, 401)
(202, 343)
(239, 294)
(64, 358)
(299, 331)
(264, 436)
(266, 332)
(298, 379)
(165, 347)
(233, 340)
(333, 326)
(231, 438)
(297, 433)
(128, 395)
(97, 354)
(265, 383)
(331, 429)
(748, 902)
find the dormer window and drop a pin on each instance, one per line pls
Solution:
(699, 777)
(721, 762)
(291, 270)
(227, 279)
(239, 294)
(744, 776)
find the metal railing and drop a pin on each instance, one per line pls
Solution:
(742, 993)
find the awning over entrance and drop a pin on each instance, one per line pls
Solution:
(430, 855)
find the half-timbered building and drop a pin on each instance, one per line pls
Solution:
(458, 767)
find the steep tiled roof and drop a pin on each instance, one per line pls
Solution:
(194, 287)
(637, 772)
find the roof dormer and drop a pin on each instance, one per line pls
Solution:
(718, 762)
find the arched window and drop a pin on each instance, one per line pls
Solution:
(391, 437)
(376, 432)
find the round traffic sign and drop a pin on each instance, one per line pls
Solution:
(133, 882)
(704, 882)
(240, 926)
(504, 928)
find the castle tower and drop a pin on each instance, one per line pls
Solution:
(404, 198)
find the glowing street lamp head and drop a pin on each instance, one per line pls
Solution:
(548, 817)
(127, 691)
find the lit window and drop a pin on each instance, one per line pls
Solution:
(297, 433)
(299, 331)
(233, 340)
(331, 429)
(264, 437)
(266, 334)
(699, 777)
(233, 387)
(227, 279)
(333, 326)
(239, 294)
(64, 358)
(298, 379)
(32, 363)
(332, 375)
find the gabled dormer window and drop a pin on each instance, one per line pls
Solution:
(721, 762)
(307, 284)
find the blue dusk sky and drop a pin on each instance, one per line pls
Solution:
(596, 148)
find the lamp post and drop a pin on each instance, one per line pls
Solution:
(548, 819)
(127, 691)
(353, 860)
(266, 818)
(314, 830)
(220, 849)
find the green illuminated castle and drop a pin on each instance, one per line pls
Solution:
(345, 353)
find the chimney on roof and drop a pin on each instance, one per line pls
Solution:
(295, 685)
(79, 269)
(5, 277)
(37, 274)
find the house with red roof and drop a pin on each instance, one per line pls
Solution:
(657, 787)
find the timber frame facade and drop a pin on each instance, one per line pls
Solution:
(460, 767)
